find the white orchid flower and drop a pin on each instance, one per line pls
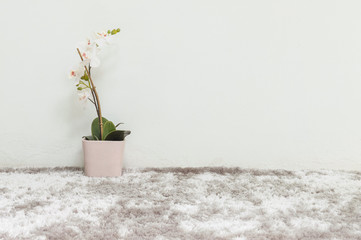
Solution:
(89, 51)
(103, 38)
(76, 73)
(84, 63)
(86, 45)
(84, 94)
(94, 59)
(92, 46)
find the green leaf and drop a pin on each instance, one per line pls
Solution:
(108, 128)
(96, 129)
(117, 135)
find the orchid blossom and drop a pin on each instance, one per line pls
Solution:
(81, 74)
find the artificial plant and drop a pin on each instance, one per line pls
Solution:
(88, 51)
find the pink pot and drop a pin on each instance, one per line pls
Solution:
(103, 158)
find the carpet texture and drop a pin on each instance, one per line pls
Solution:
(180, 203)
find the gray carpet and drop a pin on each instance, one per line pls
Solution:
(190, 203)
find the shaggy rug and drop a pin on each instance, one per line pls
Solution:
(180, 203)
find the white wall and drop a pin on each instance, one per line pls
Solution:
(258, 83)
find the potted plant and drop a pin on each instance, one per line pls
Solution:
(103, 150)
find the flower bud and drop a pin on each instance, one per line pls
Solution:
(85, 77)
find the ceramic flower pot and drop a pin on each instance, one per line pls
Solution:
(103, 158)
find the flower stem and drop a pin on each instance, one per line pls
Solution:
(94, 91)
(93, 96)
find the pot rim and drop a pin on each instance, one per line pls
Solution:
(98, 141)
